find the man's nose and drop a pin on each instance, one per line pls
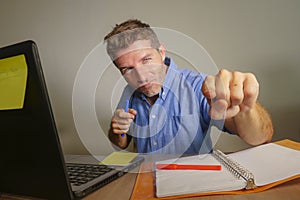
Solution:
(140, 74)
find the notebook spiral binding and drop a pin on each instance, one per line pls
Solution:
(235, 168)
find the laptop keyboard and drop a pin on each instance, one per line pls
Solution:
(82, 173)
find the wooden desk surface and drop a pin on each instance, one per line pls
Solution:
(121, 189)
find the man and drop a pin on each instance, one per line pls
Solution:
(171, 110)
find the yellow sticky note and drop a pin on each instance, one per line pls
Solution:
(13, 78)
(119, 158)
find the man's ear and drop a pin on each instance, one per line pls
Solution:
(162, 51)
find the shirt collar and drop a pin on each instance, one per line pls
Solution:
(172, 68)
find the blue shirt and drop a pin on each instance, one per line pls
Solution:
(178, 122)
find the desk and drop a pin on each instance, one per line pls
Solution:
(289, 190)
(121, 189)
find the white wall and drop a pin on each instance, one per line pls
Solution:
(260, 36)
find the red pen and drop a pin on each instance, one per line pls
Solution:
(188, 167)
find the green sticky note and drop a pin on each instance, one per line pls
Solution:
(13, 78)
(119, 158)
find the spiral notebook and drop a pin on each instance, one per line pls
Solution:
(246, 169)
(252, 170)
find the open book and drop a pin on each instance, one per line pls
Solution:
(246, 169)
(270, 164)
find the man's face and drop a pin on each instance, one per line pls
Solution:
(143, 67)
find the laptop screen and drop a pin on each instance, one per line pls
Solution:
(31, 157)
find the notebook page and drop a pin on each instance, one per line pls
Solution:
(176, 182)
(269, 163)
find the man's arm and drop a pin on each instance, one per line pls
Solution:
(253, 126)
(233, 96)
(117, 139)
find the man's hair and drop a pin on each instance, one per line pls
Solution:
(126, 33)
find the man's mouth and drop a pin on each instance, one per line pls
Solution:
(146, 86)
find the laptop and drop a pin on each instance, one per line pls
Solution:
(32, 162)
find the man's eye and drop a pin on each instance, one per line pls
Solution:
(146, 60)
(126, 69)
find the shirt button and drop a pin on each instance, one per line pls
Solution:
(154, 143)
(153, 116)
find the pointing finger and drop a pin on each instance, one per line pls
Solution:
(208, 88)
(222, 85)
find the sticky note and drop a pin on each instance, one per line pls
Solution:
(13, 78)
(119, 158)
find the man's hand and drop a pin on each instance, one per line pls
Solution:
(233, 96)
(121, 120)
(229, 93)
(120, 124)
